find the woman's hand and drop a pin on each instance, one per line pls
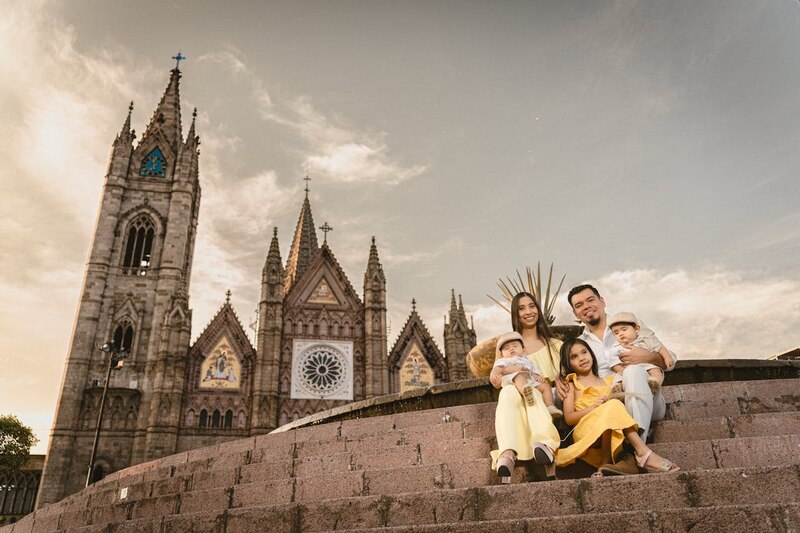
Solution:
(496, 377)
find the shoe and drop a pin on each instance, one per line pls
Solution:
(505, 466)
(555, 412)
(665, 466)
(527, 393)
(655, 386)
(617, 394)
(542, 454)
(625, 466)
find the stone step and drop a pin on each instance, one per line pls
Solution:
(729, 453)
(753, 518)
(712, 425)
(708, 404)
(641, 493)
(730, 398)
(723, 427)
(449, 465)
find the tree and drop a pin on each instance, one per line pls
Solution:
(16, 440)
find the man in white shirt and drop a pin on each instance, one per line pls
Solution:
(590, 308)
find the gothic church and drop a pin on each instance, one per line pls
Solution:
(319, 344)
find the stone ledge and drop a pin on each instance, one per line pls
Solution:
(479, 390)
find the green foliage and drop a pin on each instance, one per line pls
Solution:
(16, 440)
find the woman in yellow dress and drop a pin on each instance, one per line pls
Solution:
(524, 431)
(599, 419)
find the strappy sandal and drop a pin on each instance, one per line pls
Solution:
(505, 467)
(665, 466)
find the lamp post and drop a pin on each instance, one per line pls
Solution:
(115, 361)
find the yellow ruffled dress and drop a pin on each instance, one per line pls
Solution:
(610, 415)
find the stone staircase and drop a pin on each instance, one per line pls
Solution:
(738, 444)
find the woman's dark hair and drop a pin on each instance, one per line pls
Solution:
(542, 326)
(566, 348)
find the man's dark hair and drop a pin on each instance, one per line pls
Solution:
(581, 288)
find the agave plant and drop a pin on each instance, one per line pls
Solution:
(532, 284)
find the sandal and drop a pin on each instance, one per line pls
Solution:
(527, 393)
(655, 386)
(665, 466)
(505, 466)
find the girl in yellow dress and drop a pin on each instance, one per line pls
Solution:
(601, 423)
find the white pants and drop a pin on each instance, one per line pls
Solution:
(639, 401)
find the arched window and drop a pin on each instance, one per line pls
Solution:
(228, 418)
(203, 418)
(154, 164)
(139, 246)
(18, 494)
(215, 419)
(123, 337)
(98, 473)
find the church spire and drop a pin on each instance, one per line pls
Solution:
(374, 262)
(304, 245)
(192, 139)
(126, 135)
(167, 116)
(274, 254)
(453, 306)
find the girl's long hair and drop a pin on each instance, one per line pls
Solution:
(566, 348)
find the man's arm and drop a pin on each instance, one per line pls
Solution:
(636, 355)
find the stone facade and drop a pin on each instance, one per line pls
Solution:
(319, 344)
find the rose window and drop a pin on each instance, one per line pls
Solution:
(322, 370)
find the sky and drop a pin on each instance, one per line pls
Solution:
(648, 147)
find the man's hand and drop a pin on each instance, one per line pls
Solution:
(634, 355)
(561, 389)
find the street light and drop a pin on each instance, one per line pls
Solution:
(115, 361)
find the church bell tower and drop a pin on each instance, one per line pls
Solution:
(135, 295)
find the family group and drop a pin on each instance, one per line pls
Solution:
(607, 382)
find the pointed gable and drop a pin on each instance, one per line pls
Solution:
(414, 341)
(325, 280)
(222, 356)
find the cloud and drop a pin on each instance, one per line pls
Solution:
(341, 154)
(55, 103)
(699, 315)
(709, 314)
(229, 58)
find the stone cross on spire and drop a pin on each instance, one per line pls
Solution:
(228, 296)
(306, 179)
(178, 58)
(325, 229)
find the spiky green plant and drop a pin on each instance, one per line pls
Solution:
(547, 300)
